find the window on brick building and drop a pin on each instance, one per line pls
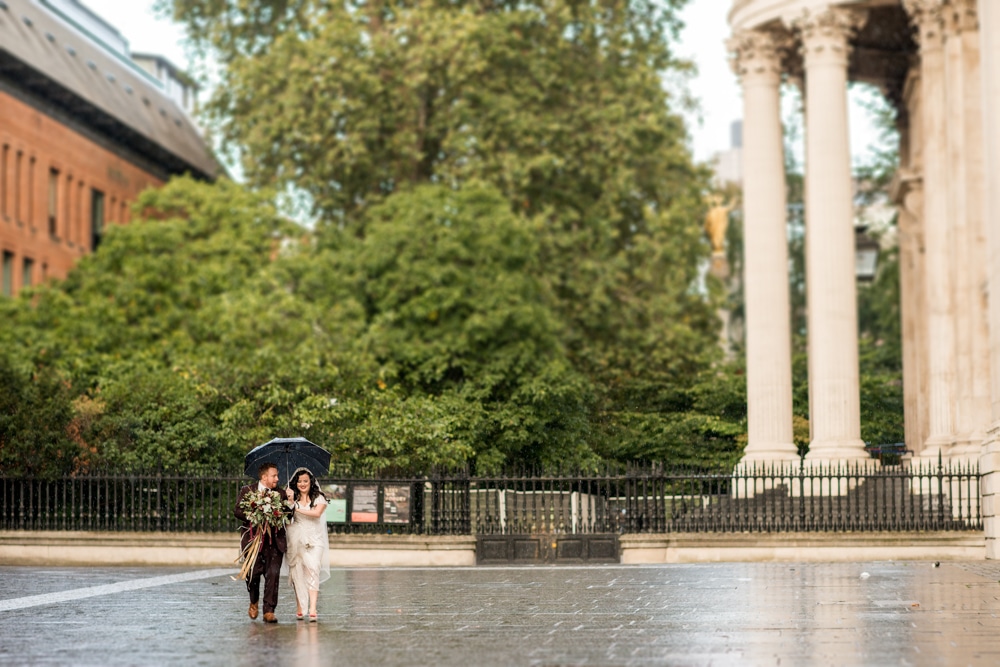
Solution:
(18, 161)
(53, 201)
(4, 158)
(31, 192)
(29, 268)
(8, 274)
(78, 235)
(96, 218)
(67, 208)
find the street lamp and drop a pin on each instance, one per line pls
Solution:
(865, 255)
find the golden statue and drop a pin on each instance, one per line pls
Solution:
(717, 221)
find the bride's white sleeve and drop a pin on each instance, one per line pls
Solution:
(324, 570)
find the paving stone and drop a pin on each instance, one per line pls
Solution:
(902, 613)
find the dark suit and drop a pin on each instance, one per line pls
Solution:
(268, 563)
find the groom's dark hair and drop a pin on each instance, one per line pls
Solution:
(264, 467)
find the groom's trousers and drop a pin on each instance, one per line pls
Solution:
(269, 565)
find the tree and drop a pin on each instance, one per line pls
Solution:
(429, 342)
(456, 310)
(559, 106)
(879, 312)
(504, 266)
(35, 418)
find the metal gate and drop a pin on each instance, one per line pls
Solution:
(561, 549)
(541, 521)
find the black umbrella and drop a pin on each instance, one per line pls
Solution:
(288, 454)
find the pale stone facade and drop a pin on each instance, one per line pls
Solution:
(938, 62)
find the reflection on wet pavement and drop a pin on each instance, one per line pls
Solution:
(700, 614)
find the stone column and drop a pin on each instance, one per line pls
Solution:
(910, 200)
(964, 169)
(977, 243)
(768, 324)
(938, 283)
(834, 409)
(954, 78)
(989, 462)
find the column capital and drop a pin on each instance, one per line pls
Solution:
(960, 16)
(929, 18)
(826, 31)
(757, 52)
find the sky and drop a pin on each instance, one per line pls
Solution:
(703, 42)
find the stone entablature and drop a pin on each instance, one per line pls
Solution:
(754, 14)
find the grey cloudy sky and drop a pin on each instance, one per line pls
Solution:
(703, 41)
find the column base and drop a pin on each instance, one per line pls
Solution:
(832, 452)
(759, 472)
(966, 448)
(777, 453)
(989, 482)
(934, 446)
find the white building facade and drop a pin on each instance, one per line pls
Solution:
(938, 62)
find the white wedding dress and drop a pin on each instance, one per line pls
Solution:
(308, 555)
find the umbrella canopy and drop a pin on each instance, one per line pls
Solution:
(288, 454)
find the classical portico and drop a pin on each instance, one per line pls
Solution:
(938, 63)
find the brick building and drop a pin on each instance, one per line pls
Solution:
(85, 126)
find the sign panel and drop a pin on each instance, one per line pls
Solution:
(336, 509)
(396, 504)
(364, 508)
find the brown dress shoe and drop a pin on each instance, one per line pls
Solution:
(252, 611)
(269, 617)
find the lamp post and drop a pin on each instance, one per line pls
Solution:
(865, 255)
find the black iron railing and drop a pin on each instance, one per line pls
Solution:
(863, 497)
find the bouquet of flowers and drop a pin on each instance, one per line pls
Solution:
(264, 511)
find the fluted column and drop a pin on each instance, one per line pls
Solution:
(938, 280)
(768, 324)
(911, 252)
(834, 408)
(989, 462)
(962, 93)
(954, 85)
(976, 242)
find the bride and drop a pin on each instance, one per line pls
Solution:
(308, 544)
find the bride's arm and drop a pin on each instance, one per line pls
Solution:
(313, 511)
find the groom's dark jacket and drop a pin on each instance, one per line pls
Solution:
(278, 536)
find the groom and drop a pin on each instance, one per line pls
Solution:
(272, 550)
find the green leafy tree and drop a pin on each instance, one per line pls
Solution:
(456, 310)
(504, 264)
(122, 330)
(35, 420)
(879, 314)
(559, 106)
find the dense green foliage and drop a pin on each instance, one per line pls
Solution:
(503, 263)
(211, 324)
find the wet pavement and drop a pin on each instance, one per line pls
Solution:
(886, 613)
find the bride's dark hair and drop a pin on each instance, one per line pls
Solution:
(314, 490)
